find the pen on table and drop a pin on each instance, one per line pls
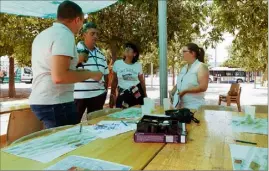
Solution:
(247, 142)
(80, 129)
(124, 123)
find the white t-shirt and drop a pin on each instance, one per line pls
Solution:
(127, 73)
(56, 40)
(96, 62)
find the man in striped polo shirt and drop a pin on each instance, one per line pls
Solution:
(91, 94)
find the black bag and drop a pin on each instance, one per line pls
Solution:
(154, 124)
(182, 115)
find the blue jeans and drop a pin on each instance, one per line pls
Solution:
(56, 115)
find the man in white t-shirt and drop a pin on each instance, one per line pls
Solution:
(91, 94)
(54, 60)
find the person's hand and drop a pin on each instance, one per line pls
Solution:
(72, 169)
(181, 94)
(96, 75)
(83, 57)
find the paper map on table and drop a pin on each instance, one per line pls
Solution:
(249, 157)
(85, 163)
(246, 124)
(46, 149)
(105, 129)
(130, 113)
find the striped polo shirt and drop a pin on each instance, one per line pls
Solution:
(96, 62)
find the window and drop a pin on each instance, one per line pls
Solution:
(27, 71)
(240, 73)
(229, 73)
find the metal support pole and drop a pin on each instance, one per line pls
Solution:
(162, 17)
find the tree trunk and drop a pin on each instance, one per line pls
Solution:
(11, 82)
(114, 51)
(151, 73)
(255, 73)
(265, 77)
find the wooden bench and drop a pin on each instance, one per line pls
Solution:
(22, 121)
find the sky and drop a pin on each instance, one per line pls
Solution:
(222, 52)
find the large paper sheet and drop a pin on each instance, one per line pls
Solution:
(130, 113)
(105, 129)
(248, 157)
(84, 163)
(46, 149)
(247, 124)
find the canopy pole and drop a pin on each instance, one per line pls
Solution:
(162, 17)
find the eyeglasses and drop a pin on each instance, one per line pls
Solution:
(185, 51)
(128, 49)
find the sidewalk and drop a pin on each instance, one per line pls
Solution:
(249, 96)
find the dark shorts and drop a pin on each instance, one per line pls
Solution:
(91, 104)
(128, 98)
(56, 115)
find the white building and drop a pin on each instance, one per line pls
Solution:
(4, 64)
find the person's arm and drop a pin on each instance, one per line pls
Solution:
(172, 93)
(203, 76)
(114, 85)
(61, 74)
(141, 78)
(106, 73)
(143, 84)
(63, 50)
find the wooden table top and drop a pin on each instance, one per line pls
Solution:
(207, 147)
(119, 149)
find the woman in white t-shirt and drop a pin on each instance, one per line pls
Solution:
(128, 78)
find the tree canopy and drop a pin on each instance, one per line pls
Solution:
(17, 36)
(248, 22)
(137, 21)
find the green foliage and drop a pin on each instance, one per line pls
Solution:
(137, 21)
(17, 35)
(248, 21)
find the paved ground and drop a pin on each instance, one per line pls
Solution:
(249, 96)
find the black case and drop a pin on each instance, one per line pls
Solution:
(160, 129)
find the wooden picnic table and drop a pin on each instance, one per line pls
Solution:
(207, 147)
(119, 149)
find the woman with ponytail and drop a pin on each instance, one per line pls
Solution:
(192, 80)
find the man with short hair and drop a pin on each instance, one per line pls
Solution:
(54, 60)
(91, 94)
